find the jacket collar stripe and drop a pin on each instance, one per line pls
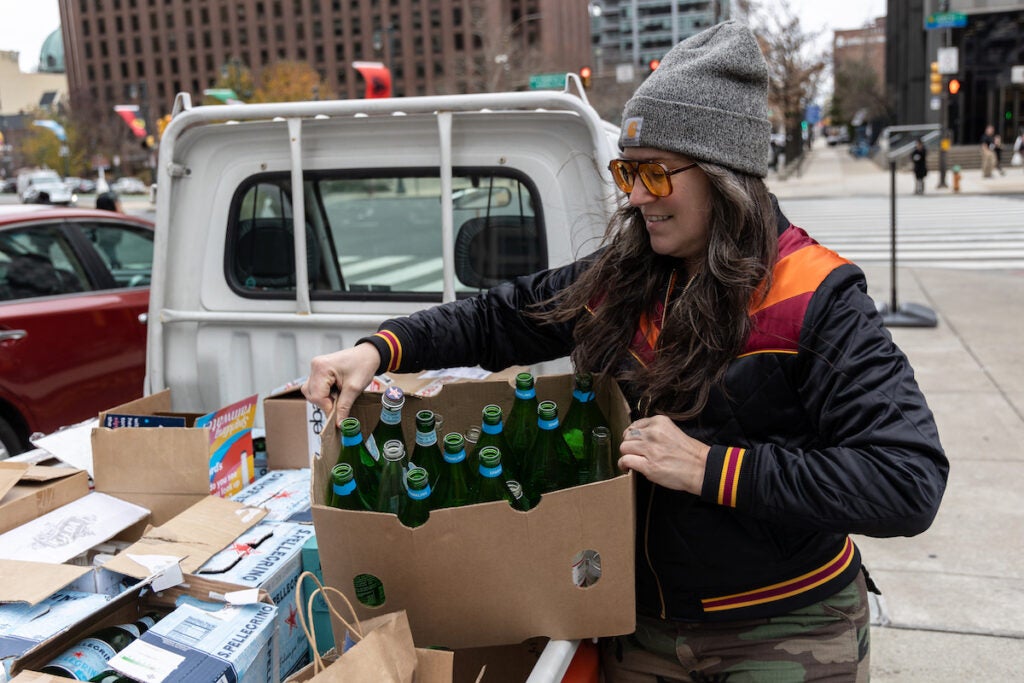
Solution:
(827, 572)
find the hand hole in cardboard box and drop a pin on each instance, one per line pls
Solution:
(586, 568)
(368, 590)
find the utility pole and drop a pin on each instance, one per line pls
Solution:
(944, 142)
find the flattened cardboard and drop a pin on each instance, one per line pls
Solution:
(67, 531)
(486, 574)
(195, 535)
(38, 490)
(31, 582)
(10, 474)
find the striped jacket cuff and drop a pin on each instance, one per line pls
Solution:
(722, 475)
(389, 347)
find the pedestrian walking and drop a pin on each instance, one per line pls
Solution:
(772, 414)
(919, 157)
(988, 155)
(1018, 150)
(997, 151)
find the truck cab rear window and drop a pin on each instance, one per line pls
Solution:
(380, 235)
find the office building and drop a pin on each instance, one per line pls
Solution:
(144, 52)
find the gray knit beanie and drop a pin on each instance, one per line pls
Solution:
(708, 100)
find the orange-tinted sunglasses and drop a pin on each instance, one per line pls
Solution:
(653, 174)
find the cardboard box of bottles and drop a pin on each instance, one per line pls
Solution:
(253, 655)
(164, 469)
(486, 574)
(30, 491)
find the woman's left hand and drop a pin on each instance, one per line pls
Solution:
(658, 449)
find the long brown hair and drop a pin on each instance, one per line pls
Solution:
(705, 325)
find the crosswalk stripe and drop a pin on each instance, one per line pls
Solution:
(961, 232)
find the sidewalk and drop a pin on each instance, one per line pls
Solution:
(955, 594)
(834, 172)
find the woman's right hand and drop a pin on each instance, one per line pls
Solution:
(337, 379)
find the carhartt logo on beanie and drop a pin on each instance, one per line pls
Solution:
(708, 99)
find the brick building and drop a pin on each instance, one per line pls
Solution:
(146, 51)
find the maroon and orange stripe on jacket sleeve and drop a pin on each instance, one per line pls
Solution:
(394, 346)
(722, 474)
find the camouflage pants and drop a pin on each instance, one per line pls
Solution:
(828, 641)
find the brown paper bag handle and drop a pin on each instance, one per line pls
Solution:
(306, 615)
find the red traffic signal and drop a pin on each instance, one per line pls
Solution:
(654, 64)
(954, 86)
(585, 74)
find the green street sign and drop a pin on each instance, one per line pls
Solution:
(547, 81)
(945, 20)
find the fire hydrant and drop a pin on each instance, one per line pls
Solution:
(956, 178)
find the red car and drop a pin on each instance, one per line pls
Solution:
(74, 295)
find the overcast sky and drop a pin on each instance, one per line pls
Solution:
(25, 24)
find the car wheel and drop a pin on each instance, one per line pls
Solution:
(10, 444)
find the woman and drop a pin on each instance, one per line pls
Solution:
(773, 415)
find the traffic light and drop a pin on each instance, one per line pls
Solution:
(954, 86)
(585, 74)
(936, 79)
(653, 65)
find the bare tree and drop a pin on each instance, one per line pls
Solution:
(795, 66)
(499, 54)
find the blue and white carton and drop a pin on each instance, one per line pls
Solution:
(283, 493)
(24, 626)
(269, 557)
(202, 642)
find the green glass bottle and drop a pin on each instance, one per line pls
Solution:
(604, 463)
(579, 423)
(389, 426)
(353, 451)
(416, 509)
(456, 485)
(391, 494)
(519, 500)
(492, 485)
(521, 425)
(344, 494)
(88, 658)
(426, 453)
(552, 465)
(492, 433)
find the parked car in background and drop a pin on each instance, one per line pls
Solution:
(129, 185)
(47, 190)
(74, 291)
(80, 185)
(9, 186)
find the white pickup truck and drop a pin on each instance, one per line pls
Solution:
(404, 203)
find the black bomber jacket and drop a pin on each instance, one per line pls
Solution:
(821, 432)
